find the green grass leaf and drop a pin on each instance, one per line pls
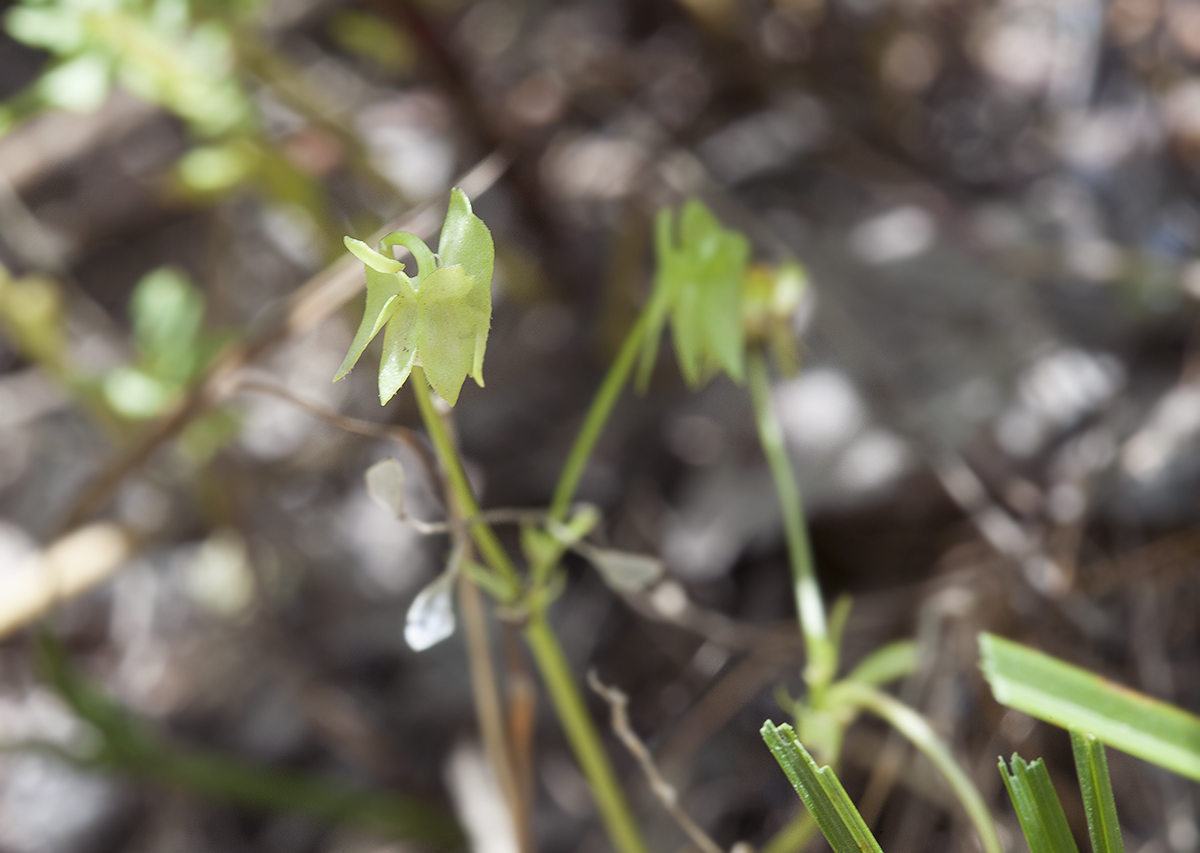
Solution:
(1038, 807)
(821, 791)
(1098, 803)
(1069, 696)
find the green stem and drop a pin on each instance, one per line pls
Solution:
(918, 731)
(581, 733)
(460, 488)
(822, 655)
(597, 417)
(568, 703)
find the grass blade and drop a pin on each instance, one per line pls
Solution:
(821, 791)
(1038, 807)
(1071, 697)
(1092, 767)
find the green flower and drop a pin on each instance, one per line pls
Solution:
(438, 320)
(699, 286)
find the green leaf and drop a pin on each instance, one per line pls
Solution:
(1038, 807)
(446, 334)
(1069, 696)
(373, 259)
(1098, 803)
(821, 792)
(887, 663)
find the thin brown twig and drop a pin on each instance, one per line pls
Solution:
(309, 306)
(618, 702)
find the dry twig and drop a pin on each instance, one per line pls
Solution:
(662, 789)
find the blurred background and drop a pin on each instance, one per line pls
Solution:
(995, 425)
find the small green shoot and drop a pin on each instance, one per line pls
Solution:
(821, 792)
(1068, 696)
(1098, 803)
(1037, 806)
(437, 320)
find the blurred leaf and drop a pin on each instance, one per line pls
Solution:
(53, 28)
(80, 85)
(887, 663)
(698, 285)
(385, 485)
(821, 792)
(374, 39)
(1038, 807)
(1069, 696)
(216, 168)
(1092, 766)
(167, 312)
(134, 394)
(623, 571)
(771, 298)
(127, 744)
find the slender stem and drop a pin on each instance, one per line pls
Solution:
(581, 733)
(568, 703)
(485, 538)
(822, 655)
(918, 731)
(597, 417)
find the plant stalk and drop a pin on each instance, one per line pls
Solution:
(552, 663)
(460, 488)
(822, 655)
(582, 734)
(597, 417)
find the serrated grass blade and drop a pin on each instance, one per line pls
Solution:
(1068, 696)
(821, 792)
(1092, 767)
(1037, 806)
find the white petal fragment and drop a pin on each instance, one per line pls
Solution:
(431, 616)
(385, 485)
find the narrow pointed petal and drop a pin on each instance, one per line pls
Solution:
(374, 260)
(383, 291)
(400, 340)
